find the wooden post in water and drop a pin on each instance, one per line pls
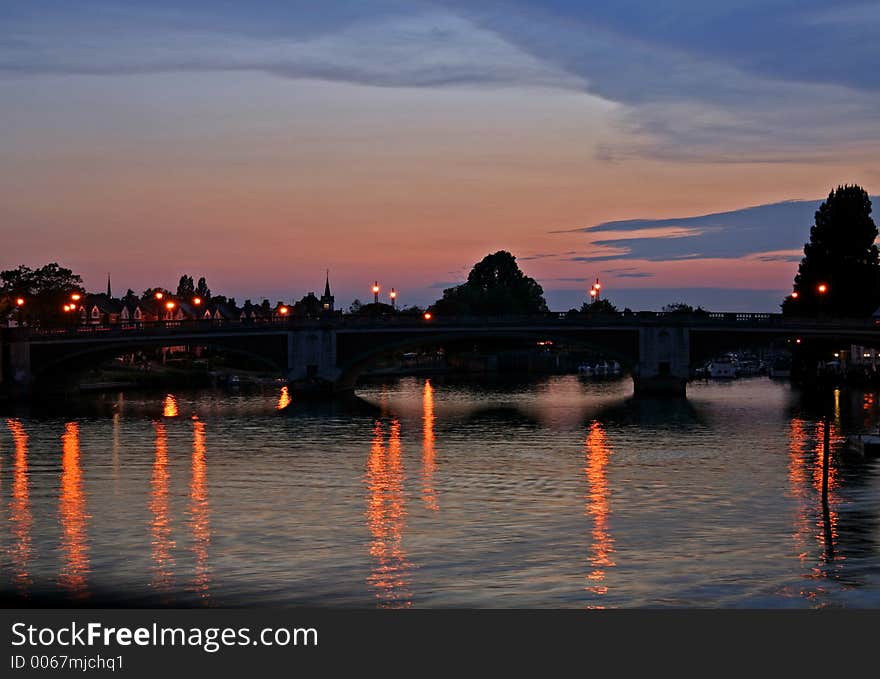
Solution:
(826, 446)
(826, 511)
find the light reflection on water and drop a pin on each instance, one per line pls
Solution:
(555, 493)
(73, 517)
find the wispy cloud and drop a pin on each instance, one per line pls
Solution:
(720, 80)
(399, 45)
(769, 233)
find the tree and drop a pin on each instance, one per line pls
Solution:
(600, 306)
(355, 307)
(45, 290)
(186, 288)
(842, 256)
(202, 289)
(376, 309)
(150, 294)
(684, 309)
(495, 285)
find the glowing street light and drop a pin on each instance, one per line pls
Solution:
(76, 297)
(393, 296)
(283, 310)
(376, 292)
(197, 301)
(159, 295)
(823, 289)
(19, 301)
(428, 316)
(795, 294)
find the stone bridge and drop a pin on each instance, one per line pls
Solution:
(658, 349)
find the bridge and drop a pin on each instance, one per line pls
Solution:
(658, 349)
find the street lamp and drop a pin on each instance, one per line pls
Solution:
(169, 305)
(19, 301)
(159, 295)
(197, 301)
(795, 294)
(428, 316)
(76, 297)
(393, 296)
(376, 292)
(822, 289)
(283, 310)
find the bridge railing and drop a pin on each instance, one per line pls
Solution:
(342, 322)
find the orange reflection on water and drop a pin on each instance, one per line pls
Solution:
(814, 523)
(284, 398)
(386, 511)
(200, 510)
(827, 523)
(429, 464)
(20, 508)
(799, 481)
(163, 561)
(72, 510)
(169, 407)
(597, 454)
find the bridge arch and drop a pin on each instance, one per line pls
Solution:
(89, 355)
(351, 365)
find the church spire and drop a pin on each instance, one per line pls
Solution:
(109, 294)
(327, 300)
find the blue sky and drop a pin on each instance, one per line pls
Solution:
(283, 136)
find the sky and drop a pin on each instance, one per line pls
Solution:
(677, 150)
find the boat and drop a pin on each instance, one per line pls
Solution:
(722, 368)
(781, 367)
(866, 445)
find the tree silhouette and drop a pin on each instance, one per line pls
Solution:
(186, 288)
(841, 256)
(202, 289)
(495, 285)
(599, 306)
(45, 290)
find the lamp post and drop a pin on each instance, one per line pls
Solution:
(822, 289)
(376, 292)
(19, 305)
(158, 296)
(393, 296)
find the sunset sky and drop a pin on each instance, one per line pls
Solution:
(259, 143)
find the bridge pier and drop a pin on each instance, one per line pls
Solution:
(15, 369)
(19, 363)
(664, 362)
(311, 362)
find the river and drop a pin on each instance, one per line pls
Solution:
(545, 494)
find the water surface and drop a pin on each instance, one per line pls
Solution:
(555, 493)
